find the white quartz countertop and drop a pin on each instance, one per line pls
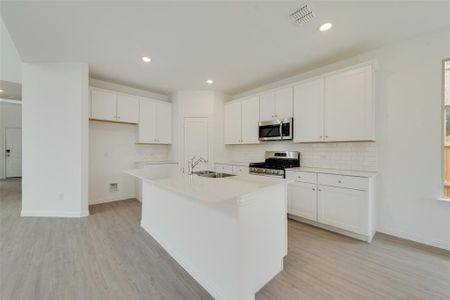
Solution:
(355, 173)
(233, 163)
(208, 190)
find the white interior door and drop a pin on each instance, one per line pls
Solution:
(196, 141)
(13, 152)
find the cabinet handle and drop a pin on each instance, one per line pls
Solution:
(326, 136)
(321, 137)
(118, 117)
(313, 189)
(340, 181)
(320, 190)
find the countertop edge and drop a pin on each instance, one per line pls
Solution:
(206, 201)
(353, 173)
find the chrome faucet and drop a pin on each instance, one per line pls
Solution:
(192, 163)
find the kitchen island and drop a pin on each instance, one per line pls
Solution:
(229, 234)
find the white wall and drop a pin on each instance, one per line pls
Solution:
(126, 89)
(55, 139)
(113, 149)
(199, 104)
(10, 116)
(10, 63)
(345, 156)
(409, 136)
(410, 140)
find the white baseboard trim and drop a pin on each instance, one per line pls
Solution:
(364, 238)
(113, 199)
(54, 214)
(414, 238)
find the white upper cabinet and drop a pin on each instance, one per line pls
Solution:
(155, 122)
(250, 120)
(283, 103)
(308, 111)
(127, 108)
(335, 108)
(232, 122)
(103, 105)
(241, 119)
(267, 106)
(112, 106)
(164, 122)
(276, 105)
(349, 106)
(147, 121)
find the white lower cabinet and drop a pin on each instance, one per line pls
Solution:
(302, 200)
(240, 170)
(343, 208)
(231, 169)
(336, 202)
(224, 168)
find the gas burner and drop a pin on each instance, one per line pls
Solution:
(276, 163)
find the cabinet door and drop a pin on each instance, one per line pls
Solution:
(127, 108)
(250, 119)
(240, 170)
(343, 208)
(103, 105)
(283, 103)
(147, 121)
(232, 122)
(302, 200)
(267, 106)
(163, 122)
(349, 106)
(224, 168)
(308, 111)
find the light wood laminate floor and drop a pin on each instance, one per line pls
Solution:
(108, 256)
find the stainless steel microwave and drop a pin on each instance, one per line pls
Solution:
(276, 130)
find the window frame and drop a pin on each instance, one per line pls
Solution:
(443, 196)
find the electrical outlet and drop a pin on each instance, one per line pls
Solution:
(113, 187)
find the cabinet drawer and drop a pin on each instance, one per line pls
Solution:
(224, 168)
(240, 170)
(302, 176)
(351, 182)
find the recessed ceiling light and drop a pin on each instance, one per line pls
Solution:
(146, 59)
(209, 81)
(326, 26)
(1, 91)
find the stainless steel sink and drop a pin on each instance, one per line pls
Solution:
(212, 174)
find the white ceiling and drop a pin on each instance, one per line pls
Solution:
(238, 44)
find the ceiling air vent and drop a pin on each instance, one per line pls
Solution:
(302, 15)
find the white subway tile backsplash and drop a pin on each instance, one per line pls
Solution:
(346, 156)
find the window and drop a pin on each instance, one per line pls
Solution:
(446, 94)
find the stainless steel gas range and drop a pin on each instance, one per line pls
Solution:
(276, 163)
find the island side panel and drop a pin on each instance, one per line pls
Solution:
(202, 238)
(263, 237)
